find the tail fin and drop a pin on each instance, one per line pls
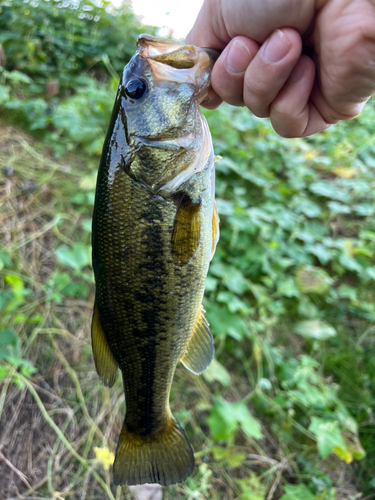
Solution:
(165, 457)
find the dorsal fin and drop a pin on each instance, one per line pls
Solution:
(200, 350)
(105, 364)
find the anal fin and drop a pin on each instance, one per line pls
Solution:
(200, 350)
(105, 364)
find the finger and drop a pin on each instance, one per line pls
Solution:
(212, 100)
(220, 21)
(292, 113)
(206, 31)
(345, 45)
(270, 69)
(332, 114)
(228, 73)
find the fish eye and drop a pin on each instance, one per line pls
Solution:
(135, 88)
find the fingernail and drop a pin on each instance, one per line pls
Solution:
(276, 48)
(238, 58)
(298, 71)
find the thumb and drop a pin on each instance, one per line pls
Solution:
(206, 31)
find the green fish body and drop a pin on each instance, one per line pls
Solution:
(155, 229)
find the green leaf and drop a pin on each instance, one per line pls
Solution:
(297, 492)
(217, 372)
(76, 257)
(315, 329)
(329, 190)
(18, 77)
(222, 424)
(248, 423)
(252, 488)
(4, 370)
(6, 299)
(350, 263)
(8, 337)
(5, 259)
(17, 285)
(88, 182)
(4, 94)
(228, 456)
(320, 251)
(287, 288)
(211, 283)
(225, 417)
(311, 279)
(370, 271)
(328, 436)
(87, 225)
(307, 207)
(233, 302)
(223, 322)
(364, 209)
(307, 309)
(236, 282)
(4, 353)
(224, 207)
(338, 208)
(347, 292)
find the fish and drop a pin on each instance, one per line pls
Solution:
(155, 230)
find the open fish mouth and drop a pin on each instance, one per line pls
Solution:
(194, 64)
(176, 54)
(178, 63)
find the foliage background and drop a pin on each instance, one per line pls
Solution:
(287, 408)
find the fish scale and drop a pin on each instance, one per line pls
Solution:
(154, 232)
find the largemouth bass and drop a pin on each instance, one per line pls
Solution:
(155, 229)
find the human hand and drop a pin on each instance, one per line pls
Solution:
(262, 65)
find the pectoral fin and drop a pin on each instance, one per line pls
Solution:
(200, 350)
(215, 229)
(105, 364)
(186, 231)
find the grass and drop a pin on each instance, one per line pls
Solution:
(51, 425)
(52, 419)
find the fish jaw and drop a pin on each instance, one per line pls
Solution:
(193, 64)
